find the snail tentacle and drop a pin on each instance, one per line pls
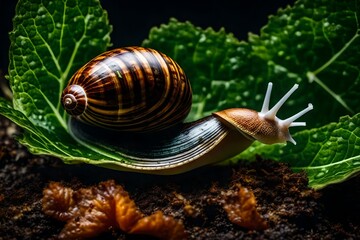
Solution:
(297, 124)
(282, 125)
(266, 103)
(290, 121)
(271, 114)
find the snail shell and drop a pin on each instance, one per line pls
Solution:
(145, 96)
(129, 89)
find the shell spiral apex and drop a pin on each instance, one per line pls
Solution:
(74, 100)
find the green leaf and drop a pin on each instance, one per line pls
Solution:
(222, 70)
(42, 140)
(49, 42)
(329, 154)
(314, 43)
(319, 42)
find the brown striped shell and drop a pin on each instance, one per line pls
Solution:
(129, 89)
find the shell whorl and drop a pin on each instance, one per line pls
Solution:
(131, 89)
(74, 100)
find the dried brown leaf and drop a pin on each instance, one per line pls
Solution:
(91, 211)
(241, 209)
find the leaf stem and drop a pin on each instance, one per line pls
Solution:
(329, 165)
(71, 60)
(313, 78)
(331, 60)
(50, 52)
(56, 112)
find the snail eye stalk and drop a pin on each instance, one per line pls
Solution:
(270, 115)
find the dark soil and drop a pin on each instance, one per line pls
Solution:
(292, 210)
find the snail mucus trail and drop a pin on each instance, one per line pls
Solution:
(133, 101)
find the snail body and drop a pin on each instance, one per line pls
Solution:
(120, 101)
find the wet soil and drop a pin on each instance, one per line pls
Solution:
(291, 209)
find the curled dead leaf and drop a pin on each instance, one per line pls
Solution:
(240, 207)
(91, 211)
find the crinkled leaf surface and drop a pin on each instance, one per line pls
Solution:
(314, 43)
(50, 40)
(223, 71)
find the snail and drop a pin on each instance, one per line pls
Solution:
(134, 100)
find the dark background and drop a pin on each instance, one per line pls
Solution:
(132, 20)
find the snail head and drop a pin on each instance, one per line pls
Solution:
(264, 126)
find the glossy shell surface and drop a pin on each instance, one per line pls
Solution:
(129, 89)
